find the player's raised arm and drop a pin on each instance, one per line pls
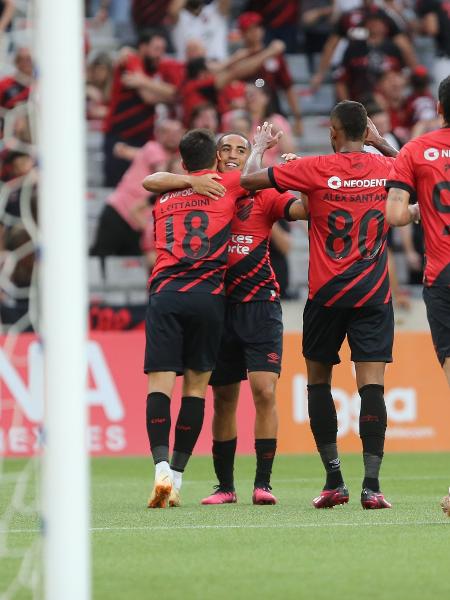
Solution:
(253, 176)
(207, 185)
(398, 210)
(378, 142)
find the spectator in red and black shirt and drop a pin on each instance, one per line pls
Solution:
(273, 72)
(280, 18)
(390, 95)
(141, 80)
(435, 16)
(220, 88)
(420, 104)
(15, 88)
(150, 14)
(351, 25)
(349, 292)
(365, 60)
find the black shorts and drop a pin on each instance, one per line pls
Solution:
(252, 341)
(437, 301)
(183, 331)
(369, 330)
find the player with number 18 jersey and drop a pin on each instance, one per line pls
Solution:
(192, 234)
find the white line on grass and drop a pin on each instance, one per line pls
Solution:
(320, 478)
(260, 526)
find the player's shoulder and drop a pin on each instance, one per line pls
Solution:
(425, 145)
(271, 195)
(230, 177)
(380, 159)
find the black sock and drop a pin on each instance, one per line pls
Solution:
(223, 457)
(188, 427)
(372, 430)
(323, 421)
(265, 454)
(158, 425)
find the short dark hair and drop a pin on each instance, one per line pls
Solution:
(241, 135)
(373, 108)
(444, 97)
(198, 149)
(195, 66)
(146, 36)
(353, 119)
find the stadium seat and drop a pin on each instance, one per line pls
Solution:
(125, 273)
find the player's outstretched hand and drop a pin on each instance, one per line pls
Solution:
(264, 138)
(289, 156)
(207, 185)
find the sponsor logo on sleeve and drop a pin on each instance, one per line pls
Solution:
(431, 154)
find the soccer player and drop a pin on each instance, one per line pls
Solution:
(349, 292)
(253, 334)
(423, 168)
(186, 310)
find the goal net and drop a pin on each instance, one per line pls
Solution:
(42, 405)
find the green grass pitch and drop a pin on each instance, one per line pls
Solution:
(239, 551)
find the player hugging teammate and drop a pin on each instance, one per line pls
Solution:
(349, 295)
(187, 290)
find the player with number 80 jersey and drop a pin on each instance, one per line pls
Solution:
(347, 235)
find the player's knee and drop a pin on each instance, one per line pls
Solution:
(225, 401)
(264, 396)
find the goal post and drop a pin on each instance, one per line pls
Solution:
(61, 127)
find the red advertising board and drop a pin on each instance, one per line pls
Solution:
(416, 394)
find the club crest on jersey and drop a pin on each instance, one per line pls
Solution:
(244, 205)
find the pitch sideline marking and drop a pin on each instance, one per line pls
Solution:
(261, 526)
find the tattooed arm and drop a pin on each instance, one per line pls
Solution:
(398, 210)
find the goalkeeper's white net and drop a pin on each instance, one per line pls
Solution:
(20, 396)
(54, 228)
(20, 362)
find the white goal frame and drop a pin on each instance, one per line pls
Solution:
(60, 64)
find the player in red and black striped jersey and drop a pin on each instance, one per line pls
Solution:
(186, 309)
(349, 291)
(253, 335)
(423, 169)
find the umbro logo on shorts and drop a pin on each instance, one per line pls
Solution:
(273, 357)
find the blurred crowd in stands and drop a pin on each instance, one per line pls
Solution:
(169, 65)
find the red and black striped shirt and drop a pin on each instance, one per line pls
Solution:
(149, 13)
(12, 92)
(192, 233)
(276, 13)
(130, 118)
(250, 276)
